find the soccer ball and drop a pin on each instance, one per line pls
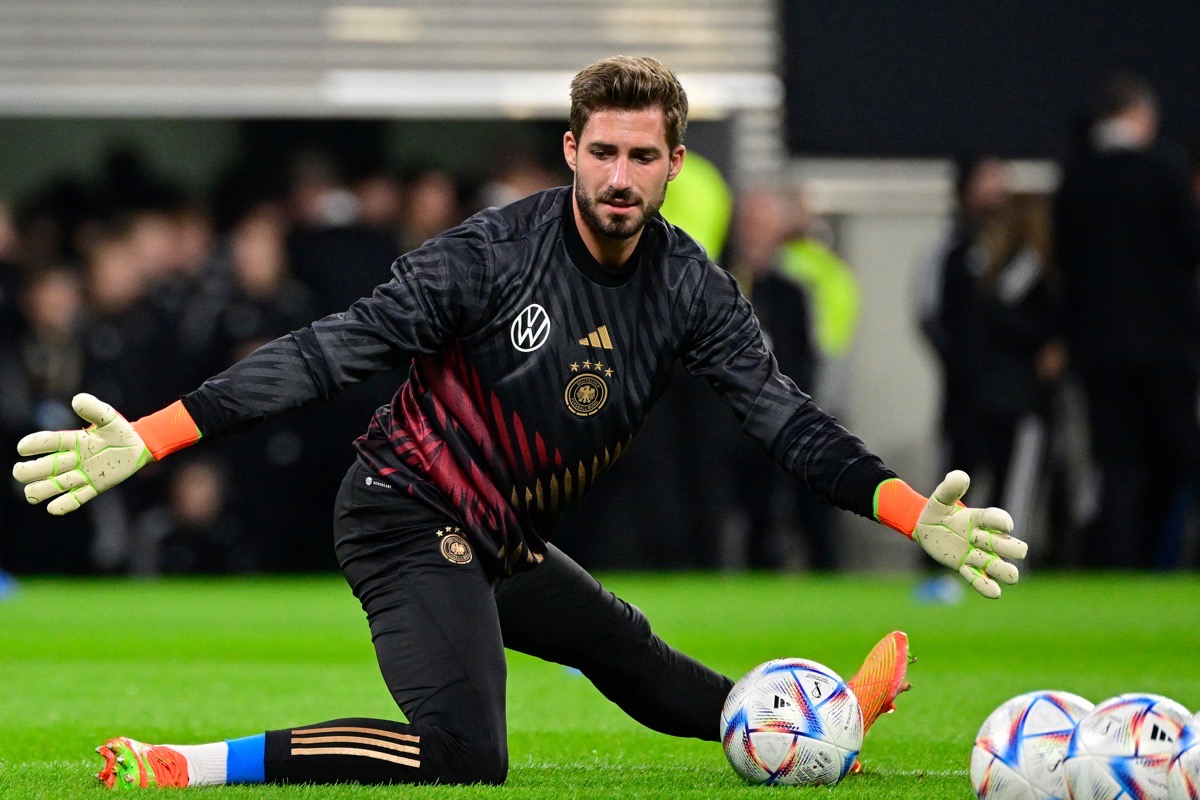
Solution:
(1183, 773)
(1020, 747)
(1121, 749)
(791, 721)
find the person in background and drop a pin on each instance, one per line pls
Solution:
(193, 532)
(1020, 357)
(947, 300)
(10, 272)
(701, 202)
(832, 291)
(337, 250)
(432, 204)
(283, 460)
(41, 369)
(1127, 239)
(331, 247)
(127, 337)
(761, 492)
(518, 173)
(379, 194)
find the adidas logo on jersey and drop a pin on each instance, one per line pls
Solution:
(598, 338)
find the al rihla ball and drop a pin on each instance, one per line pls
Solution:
(791, 721)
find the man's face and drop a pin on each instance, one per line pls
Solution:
(988, 191)
(622, 165)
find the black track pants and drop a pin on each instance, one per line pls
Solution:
(440, 623)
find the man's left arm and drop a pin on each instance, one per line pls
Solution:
(725, 345)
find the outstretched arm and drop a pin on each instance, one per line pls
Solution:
(727, 348)
(436, 292)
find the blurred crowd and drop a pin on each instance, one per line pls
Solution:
(1066, 328)
(125, 287)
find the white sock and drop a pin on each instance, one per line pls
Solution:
(206, 762)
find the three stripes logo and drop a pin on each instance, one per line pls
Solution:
(598, 338)
(398, 748)
(1157, 734)
(530, 329)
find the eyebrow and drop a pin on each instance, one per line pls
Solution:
(638, 150)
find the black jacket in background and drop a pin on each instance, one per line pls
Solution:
(1127, 236)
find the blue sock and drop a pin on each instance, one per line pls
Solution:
(247, 759)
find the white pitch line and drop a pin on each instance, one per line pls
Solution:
(922, 773)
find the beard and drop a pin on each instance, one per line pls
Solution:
(617, 227)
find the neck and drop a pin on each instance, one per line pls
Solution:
(612, 253)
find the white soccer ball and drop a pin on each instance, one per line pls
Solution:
(791, 721)
(1020, 747)
(1121, 749)
(1183, 773)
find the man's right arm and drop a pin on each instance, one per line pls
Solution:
(436, 293)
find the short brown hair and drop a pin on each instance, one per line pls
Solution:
(629, 83)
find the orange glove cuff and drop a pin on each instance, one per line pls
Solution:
(898, 505)
(167, 430)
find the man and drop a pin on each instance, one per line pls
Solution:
(946, 300)
(1127, 239)
(535, 338)
(756, 487)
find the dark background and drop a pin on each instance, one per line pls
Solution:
(930, 78)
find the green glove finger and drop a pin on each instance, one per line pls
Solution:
(1000, 544)
(47, 442)
(56, 463)
(996, 520)
(992, 564)
(1002, 571)
(94, 410)
(38, 491)
(71, 501)
(944, 500)
(980, 582)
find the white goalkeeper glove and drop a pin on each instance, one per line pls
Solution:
(974, 541)
(83, 463)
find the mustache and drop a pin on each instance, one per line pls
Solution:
(620, 196)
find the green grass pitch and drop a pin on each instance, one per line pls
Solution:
(198, 660)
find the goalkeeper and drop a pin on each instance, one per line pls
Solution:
(531, 342)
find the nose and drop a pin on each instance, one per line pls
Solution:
(620, 174)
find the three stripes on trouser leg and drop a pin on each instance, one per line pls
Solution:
(399, 748)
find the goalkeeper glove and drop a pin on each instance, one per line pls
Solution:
(973, 541)
(81, 464)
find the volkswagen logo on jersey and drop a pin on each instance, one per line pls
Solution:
(530, 329)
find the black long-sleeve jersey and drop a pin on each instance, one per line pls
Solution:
(530, 368)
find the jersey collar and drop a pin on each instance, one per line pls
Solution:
(586, 263)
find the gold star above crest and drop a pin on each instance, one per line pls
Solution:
(608, 373)
(587, 365)
(575, 367)
(599, 366)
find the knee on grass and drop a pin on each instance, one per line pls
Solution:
(471, 755)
